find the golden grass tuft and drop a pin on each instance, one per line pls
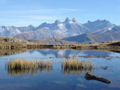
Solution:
(22, 66)
(77, 66)
(45, 66)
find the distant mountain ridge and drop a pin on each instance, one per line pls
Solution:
(57, 30)
(69, 30)
(100, 36)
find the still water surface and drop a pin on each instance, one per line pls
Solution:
(106, 65)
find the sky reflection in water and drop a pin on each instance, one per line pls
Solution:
(56, 78)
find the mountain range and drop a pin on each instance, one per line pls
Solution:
(68, 30)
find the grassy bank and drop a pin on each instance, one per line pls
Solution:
(10, 43)
(5, 52)
(110, 46)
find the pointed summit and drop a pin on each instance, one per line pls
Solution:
(31, 26)
(89, 21)
(74, 20)
(57, 22)
(67, 20)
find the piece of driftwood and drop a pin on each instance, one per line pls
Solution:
(94, 77)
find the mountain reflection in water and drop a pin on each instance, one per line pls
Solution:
(71, 53)
(60, 70)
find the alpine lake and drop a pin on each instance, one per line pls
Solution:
(55, 75)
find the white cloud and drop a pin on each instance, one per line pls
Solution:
(40, 17)
(33, 20)
(40, 11)
(50, 10)
(35, 17)
(69, 9)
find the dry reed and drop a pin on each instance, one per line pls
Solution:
(22, 66)
(76, 66)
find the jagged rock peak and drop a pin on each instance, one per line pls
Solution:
(30, 26)
(89, 21)
(74, 20)
(57, 22)
(102, 21)
(67, 20)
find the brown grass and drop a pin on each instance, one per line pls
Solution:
(77, 66)
(22, 66)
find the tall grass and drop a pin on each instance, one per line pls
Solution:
(76, 66)
(22, 66)
(45, 66)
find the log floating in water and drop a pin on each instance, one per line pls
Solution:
(93, 77)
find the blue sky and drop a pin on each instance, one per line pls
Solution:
(35, 12)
